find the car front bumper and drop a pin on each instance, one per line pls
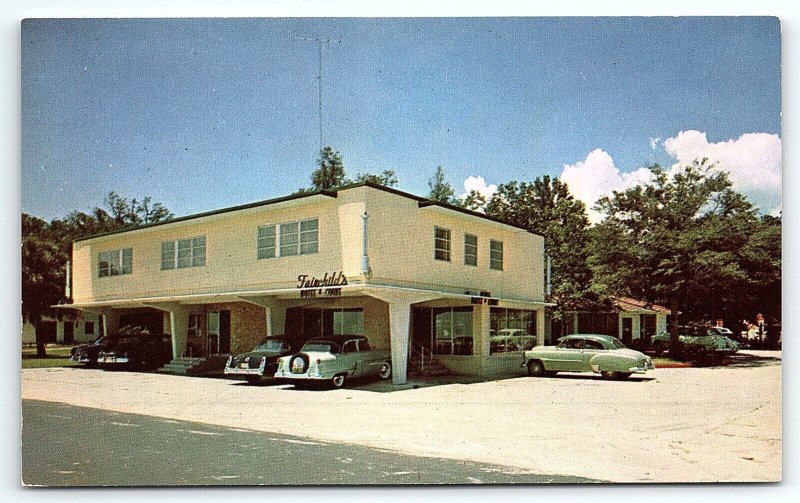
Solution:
(113, 359)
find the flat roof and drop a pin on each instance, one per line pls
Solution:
(422, 203)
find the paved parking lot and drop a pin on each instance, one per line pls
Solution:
(674, 425)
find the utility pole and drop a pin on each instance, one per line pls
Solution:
(319, 41)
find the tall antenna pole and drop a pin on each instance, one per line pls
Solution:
(319, 42)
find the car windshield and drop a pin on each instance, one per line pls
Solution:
(321, 347)
(272, 345)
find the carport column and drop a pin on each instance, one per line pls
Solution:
(179, 328)
(481, 332)
(399, 325)
(540, 321)
(110, 322)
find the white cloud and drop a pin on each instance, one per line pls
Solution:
(597, 176)
(478, 184)
(753, 162)
(654, 143)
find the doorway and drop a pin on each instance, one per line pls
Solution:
(627, 330)
(69, 332)
(219, 332)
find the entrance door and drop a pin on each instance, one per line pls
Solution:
(219, 332)
(627, 330)
(421, 332)
(69, 332)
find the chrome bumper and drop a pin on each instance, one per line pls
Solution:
(113, 359)
(244, 372)
(305, 375)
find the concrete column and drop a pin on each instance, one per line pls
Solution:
(60, 331)
(110, 322)
(179, 328)
(481, 327)
(399, 327)
(540, 322)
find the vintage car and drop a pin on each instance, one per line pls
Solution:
(511, 339)
(601, 354)
(334, 359)
(261, 362)
(699, 340)
(136, 350)
(86, 354)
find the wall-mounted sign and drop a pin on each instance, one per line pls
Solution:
(329, 286)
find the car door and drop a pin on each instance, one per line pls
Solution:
(350, 358)
(591, 349)
(567, 356)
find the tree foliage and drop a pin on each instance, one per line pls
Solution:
(330, 174)
(547, 208)
(386, 178)
(441, 190)
(686, 240)
(46, 248)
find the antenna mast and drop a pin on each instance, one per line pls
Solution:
(319, 42)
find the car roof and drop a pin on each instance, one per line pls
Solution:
(598, 337)
(338, 339)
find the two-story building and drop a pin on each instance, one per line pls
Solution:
(413, 275)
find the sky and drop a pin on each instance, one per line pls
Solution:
(203, 114)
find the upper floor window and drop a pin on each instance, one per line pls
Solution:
(441, 244)
(183, 253)
(470, 249)
(287, 239)
(115, 262)
(496, 255)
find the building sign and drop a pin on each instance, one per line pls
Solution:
(329, 286)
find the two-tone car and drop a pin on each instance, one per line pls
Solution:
(334, 359)
(261, 362)
(600, 354)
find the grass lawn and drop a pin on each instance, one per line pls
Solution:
(57, 356)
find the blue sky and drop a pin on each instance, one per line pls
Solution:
(203, 114)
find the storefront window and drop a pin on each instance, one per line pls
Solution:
(452, 328)
(512, 330)
(348, 321)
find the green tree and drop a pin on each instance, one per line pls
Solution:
(441, 190)
(547, 208)
(474, 201)
(386, 178)
(46, 248)
(687, 240)
(330, 172)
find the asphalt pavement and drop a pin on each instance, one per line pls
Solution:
(69, 446)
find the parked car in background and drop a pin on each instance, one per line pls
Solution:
(87, 354)
(335, 359)
(261, 361)
(511, 339)
(699, 340)
(601, 354)
(134, 348)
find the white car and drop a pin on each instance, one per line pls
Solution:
(335, 359)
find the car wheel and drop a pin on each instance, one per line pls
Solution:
(338, 381)
(536, 368)
(386, 370)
